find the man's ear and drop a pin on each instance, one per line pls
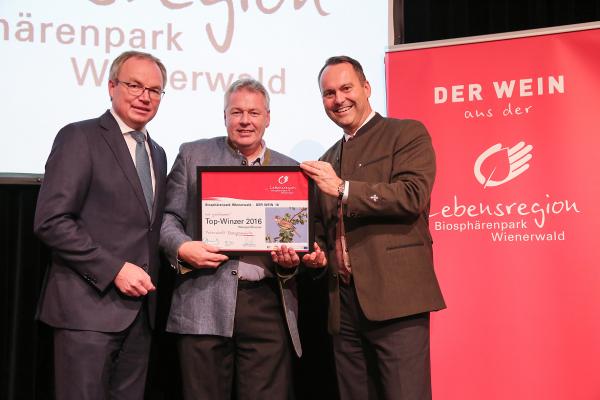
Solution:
(367, 87)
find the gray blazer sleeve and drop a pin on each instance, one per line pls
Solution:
(174, 231)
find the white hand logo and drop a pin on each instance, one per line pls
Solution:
(518, 156)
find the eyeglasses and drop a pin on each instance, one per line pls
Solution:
(135, 89)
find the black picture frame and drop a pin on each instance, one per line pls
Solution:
(250, 170)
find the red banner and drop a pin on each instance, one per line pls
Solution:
(516, 128)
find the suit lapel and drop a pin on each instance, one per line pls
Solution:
(334, 159)
(114, 138)
(157, 165)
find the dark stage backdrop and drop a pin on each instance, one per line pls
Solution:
(425, 20)
(26, 346)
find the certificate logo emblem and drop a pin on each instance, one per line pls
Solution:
(283, 179)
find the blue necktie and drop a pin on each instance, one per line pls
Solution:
(142, 164)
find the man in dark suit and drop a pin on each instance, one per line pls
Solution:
(374, 194)
(100, 210)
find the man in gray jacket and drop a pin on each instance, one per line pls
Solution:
(236, 318)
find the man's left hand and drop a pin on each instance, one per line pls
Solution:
(316, 259)
(133, 281)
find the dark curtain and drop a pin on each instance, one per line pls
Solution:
(26, 358)
(425, 20)
(26, 370)
(25, 346)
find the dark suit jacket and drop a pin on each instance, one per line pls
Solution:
(391, 168)
(91, 212)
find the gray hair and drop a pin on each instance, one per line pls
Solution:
(249, 84)
(115, 68)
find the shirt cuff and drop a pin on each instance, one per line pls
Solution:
(346, 190)
(181, 267)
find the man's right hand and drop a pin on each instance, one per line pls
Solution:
(133, 281)
(201, 255)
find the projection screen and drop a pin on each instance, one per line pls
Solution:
(56, 56)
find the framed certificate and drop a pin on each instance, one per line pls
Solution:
(251, 210)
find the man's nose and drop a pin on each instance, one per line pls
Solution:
(339, 97)
(145, 96)
(245, 119)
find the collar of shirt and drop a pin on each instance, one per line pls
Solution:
(131, 143)
(123, 126)
(348, 136)
(258, 160)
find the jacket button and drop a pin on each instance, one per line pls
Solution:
(234, 272)
(334, 275)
